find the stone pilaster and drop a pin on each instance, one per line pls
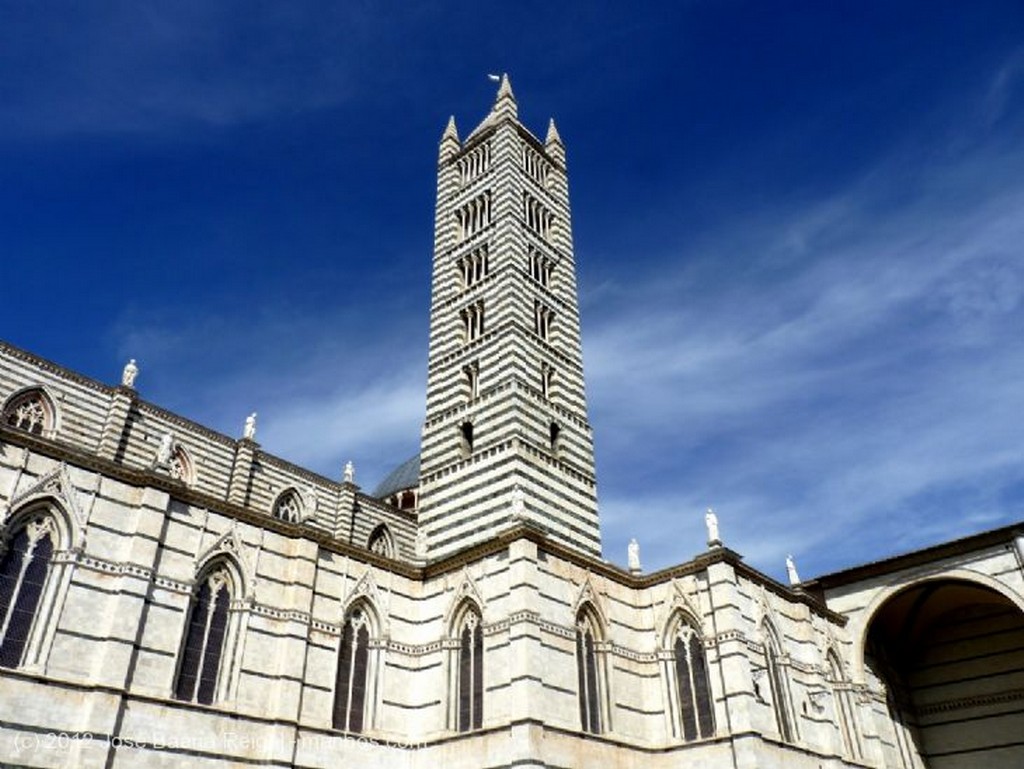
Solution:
(241, 471)
(117, 417)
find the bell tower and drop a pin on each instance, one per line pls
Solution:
(506, 436)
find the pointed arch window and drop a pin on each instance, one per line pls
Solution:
(844, 708)
(30, 411)
(777, 685)
(380, 542)
(288, 507)
(350, 698)
(24, 568)
(179, 467)
(587, 672)
(471, 672)
(199, 671)
(692, 688)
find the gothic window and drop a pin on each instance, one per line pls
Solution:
(474, 267)
(30, 411)
(777, 685)
(843, 706)
(471, 672)
(471, 373)
(350, 698)
(466, 431)
(472, 322)
(24, 567)
(554, 436)
(587, 672)
(180, 466)
(200, 666)
(288, 507)
(381, 543)
(692, 689)
(543, 316)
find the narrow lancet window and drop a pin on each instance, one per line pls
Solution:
(353, 665)
(23, 570)
(586, 674)
(471, 673)
(694, 693)
(200, 664)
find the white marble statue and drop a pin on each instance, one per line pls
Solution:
(350, 472)
(794, 578)
(163, 453)
(711, 521)
(250, 427)
(130, 372)
(633, 555)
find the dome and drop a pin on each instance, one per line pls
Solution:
(405, 476)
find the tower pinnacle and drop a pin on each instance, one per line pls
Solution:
(505, 102)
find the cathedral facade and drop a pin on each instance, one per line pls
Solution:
(173, 596)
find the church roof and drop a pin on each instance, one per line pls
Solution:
(405, 476)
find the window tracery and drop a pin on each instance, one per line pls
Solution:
(24, 569)
(30, 411)
(350, 691)
(288, 507)
(380, 542)
(200, 666)
(692, 687)
(471, 675)
(587, 673)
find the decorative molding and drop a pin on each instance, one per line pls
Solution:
(56, 484)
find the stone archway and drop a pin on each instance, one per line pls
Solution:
(950, 654)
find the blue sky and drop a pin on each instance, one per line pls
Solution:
(798, 227)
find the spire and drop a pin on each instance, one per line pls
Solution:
(553, 135)
(450, 131)
(449, 139)
(505, 102)
(553, 143)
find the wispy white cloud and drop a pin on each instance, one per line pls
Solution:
(116, 67)
(848, 374)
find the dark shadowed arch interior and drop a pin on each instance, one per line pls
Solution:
(951, 655)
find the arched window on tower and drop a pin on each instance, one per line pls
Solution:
(555, 438)
(31, 411)
(470, 680)
(587, 668)
(199, 676)
(547, 380)
(380, 542)
(24, 569)
(350, 690)
(466, 431)
(689, 682)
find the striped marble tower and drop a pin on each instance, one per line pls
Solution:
(506, 436)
